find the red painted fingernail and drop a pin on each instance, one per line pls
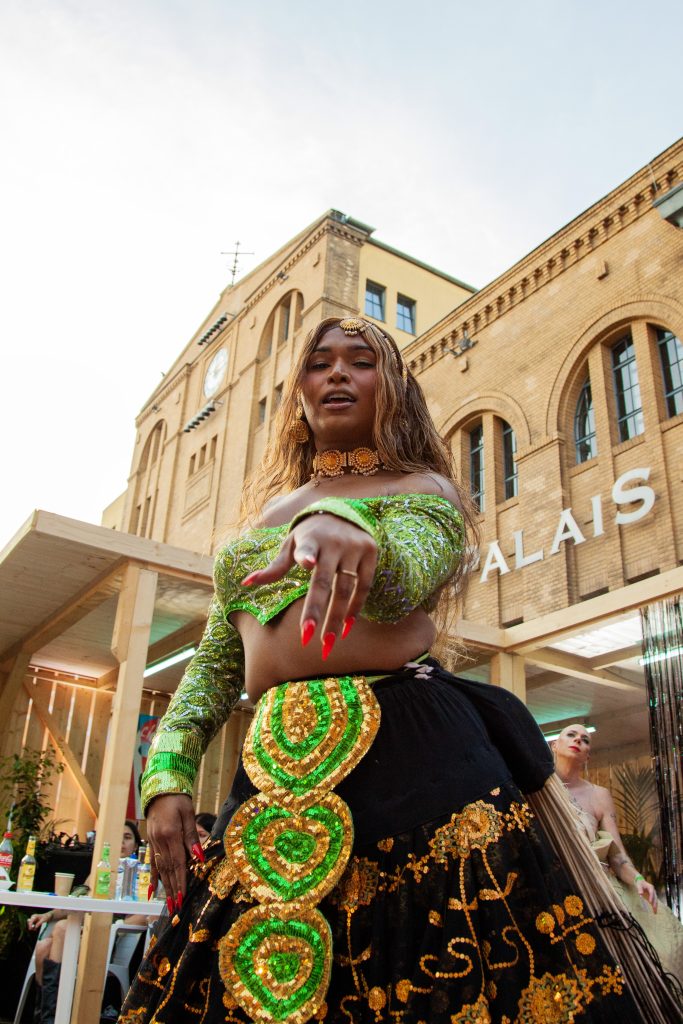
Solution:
(346, 628)
(307, 631)
(170, 904)
(198, 852)
(150, 892)
(180, 900)
(328, 644)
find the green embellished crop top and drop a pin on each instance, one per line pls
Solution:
(420, 540)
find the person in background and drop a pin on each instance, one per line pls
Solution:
(597, 818)
(50, 945)
(204, 823)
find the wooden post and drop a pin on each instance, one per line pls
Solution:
(507, 670)
(130, 643)
(10, 692)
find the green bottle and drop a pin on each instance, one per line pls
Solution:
(103, 875)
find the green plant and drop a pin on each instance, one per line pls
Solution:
(636, 799)
(21, 783)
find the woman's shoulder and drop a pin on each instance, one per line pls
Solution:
(431, 483)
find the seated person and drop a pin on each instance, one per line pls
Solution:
(50, 945)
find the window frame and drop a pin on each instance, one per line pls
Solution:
(509, 465)
(662, 337)
(590, 438)
(380, 295)
(626, 418)
(402, 303)
(478, 493)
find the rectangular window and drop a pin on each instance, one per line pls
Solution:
(671, 357)
(627, 389)
(509, 464)
(374, 300)
(477, 466)
(277, 397)
(193, 459)
(405, 313)
(214, 445)
(261, 412)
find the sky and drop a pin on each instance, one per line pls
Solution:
(141, 139)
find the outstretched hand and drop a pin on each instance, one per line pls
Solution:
(342, 559)
(173, 840)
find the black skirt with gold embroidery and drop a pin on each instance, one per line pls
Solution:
(383, 865)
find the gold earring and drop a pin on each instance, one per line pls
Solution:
(299, 431)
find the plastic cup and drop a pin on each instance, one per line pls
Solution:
(63, 883)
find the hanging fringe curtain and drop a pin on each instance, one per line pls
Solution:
(663, 660)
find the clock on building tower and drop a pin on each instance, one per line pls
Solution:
(215, 373)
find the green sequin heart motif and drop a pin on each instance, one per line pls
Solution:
(304, 741)
(280, 855)
(276, 962)
(284, 966)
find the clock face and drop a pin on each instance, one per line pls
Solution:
(215, 373)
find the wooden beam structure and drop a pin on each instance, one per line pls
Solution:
(183, 637)
(130, 642)
(572, 665)
(71, 612)
(63, 748)
(549, 628)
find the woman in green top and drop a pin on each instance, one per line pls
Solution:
(376, 859)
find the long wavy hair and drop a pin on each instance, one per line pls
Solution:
(404, 435)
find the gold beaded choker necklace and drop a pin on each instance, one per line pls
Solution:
(364, 461)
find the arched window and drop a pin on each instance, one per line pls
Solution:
(671, 359)
(477, 466)
(509, 464)
(585, 439)
(627, 389)
(283, 321)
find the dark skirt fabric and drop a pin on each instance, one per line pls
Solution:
(452, 906)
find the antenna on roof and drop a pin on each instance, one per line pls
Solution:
(236, 254)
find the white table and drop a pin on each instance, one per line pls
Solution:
(76, 907)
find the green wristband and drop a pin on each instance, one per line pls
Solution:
(638, 878)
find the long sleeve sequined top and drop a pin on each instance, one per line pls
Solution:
(420, 540)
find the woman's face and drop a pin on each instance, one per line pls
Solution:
(338, 390)
(129, 843)
(574, 742)
(202, 833)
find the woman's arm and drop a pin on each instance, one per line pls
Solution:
(619, 860)
(385, 562)
(208, 691)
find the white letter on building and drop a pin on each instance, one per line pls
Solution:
(494, 560)
(598, 528)
(624, 496)
(566, 528)
(520, 558)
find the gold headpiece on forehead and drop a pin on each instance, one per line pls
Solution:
(352, 326)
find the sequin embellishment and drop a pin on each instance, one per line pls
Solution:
(289, 844)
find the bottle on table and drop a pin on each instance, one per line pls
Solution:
(103, 876)
(6, 855)
(130, 867)
(27, 868)
(143, 876)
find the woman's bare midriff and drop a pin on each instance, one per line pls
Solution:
(273, 653)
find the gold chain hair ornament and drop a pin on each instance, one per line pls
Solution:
(354, 326)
